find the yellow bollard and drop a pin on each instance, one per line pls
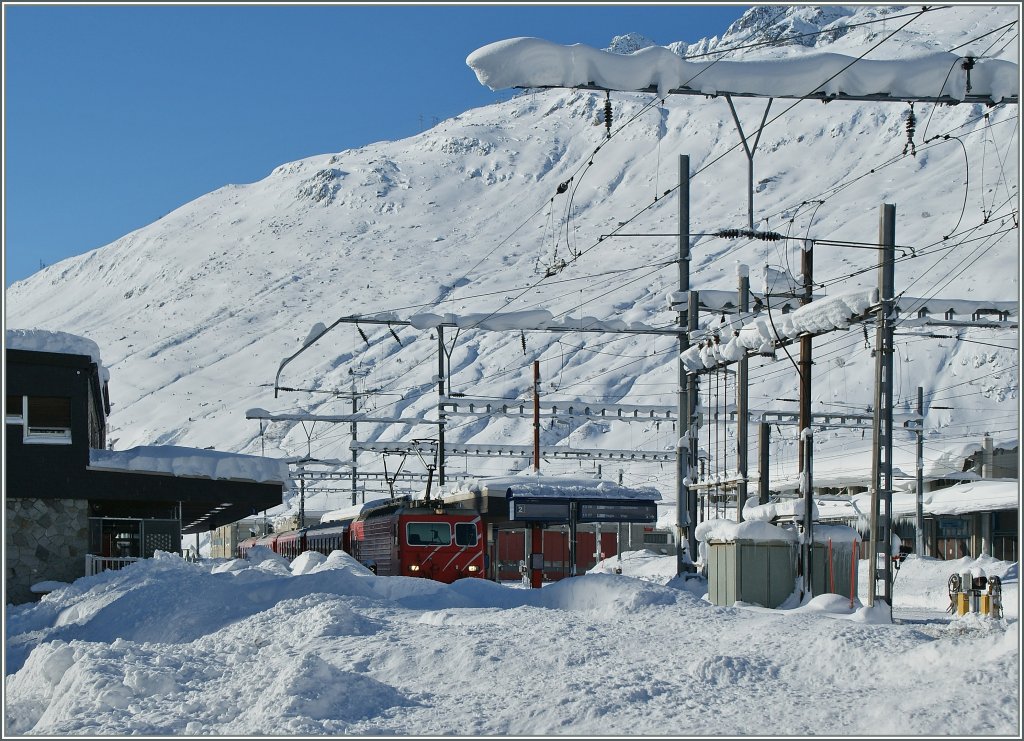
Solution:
(962, 603)
(985, 607)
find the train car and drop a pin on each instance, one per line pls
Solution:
(420, 539)
(242, 549)
(329, 536)
(268, 541)
(290, 544)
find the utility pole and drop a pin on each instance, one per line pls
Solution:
(881, 433)
(683, 522)
(536, 416)
(691, 420)
(742, 399)
(764, 431)
(806, 438)
(919, 504)
(440, 407)
(355, 454)
(536, 532)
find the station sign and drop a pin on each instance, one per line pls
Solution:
(557, 510)
(538, 510)
(616, 511)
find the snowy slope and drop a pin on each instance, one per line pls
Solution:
(194, 312)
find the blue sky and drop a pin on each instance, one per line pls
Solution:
(116, 115)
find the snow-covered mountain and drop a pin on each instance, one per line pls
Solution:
(195, 312)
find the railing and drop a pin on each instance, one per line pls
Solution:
(96, 564)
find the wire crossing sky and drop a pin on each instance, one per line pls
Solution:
(116, 115)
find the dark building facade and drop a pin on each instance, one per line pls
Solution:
(59, 508)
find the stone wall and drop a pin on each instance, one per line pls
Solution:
(45, 540)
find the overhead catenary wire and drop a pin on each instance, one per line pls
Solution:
(812, 218)
(775, 118)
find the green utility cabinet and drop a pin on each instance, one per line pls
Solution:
(765, 572)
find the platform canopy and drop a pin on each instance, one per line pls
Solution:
(943, 77)
(212, 488)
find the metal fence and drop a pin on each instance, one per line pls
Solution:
(96, 564)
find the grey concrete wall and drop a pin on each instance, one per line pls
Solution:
(45, 540)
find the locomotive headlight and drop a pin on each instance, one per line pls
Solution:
(414, 567)
(473, 569)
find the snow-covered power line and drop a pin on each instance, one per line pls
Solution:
(937, 78)
(296, 417)
(521, 451)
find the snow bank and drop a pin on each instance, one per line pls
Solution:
(791, 509)
(535, 485)
(729, 531)
(177, 461)
(166, 647)
(973, 496)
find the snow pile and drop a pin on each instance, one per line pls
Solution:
(728, 531)
(495, 320)
(41, 340)
(177, 461)
(166, 647)
(531, 62)
(535, 485)
(521, 320)
(973, 496)
(788, 509)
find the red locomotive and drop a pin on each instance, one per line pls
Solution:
(411, 538)
(400, 537)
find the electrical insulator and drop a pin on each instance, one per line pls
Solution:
(911, 124)
(736, 233)
(608, 114)
(967, 66)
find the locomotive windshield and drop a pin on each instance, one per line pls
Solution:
(428, 533)
(465, 533)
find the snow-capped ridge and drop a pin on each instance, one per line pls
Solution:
(195, 312)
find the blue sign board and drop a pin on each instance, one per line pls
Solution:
(538, 510)
(559, 510)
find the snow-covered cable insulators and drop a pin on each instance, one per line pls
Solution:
(911, 124)
(749, 234)
(395, 335)
(967, 66)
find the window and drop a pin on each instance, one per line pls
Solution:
(428, 533)
(951, 527)
(465, 533)
(658, 538)
(14, 411)
(48, 419)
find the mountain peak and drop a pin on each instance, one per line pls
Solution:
(629, 43)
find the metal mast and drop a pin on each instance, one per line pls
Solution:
(879, 551)
(684, 411)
